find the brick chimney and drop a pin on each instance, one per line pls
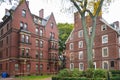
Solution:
(41, 13)
(6, 10)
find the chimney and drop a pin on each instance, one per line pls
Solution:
(41, 13)
(28, 3)
(6, 10)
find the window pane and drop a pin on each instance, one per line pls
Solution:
(23, 13)
(16, 67)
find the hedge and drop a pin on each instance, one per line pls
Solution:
(76, 78)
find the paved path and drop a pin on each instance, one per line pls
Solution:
(20, 79)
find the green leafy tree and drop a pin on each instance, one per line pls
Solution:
(64, 32)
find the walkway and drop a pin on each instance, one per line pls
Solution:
(20, 79)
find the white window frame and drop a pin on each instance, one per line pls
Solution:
(80, 44)
(81, 68)
(71, 66)
(119, 52)
(103, 54)
(94, 63)
(103, 65)
(81, 55)
(80, 33)
(103, 27)
(71, 46)
(119, 39)
(104, 39)
(16, 67)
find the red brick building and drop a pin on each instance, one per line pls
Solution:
(28, 43)
(106, 50)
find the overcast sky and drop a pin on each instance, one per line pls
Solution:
(55, 7)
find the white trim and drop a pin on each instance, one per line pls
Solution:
(71, 66)
(103, 64)
(81, 69)
(103, 52)
(106, 39)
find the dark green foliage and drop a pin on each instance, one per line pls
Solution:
(115, 78)
(100, 73)
(89, 73)
(76, 73)
(64, 32)
(64, 73)
(115, 71)
(76, 78)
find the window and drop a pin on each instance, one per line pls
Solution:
(52, 35)
(104, 39)
(37, 54)
(41, 44)
(80, 33)
(119, 39)
(80, 45)
(94, 64)
(16, 67)
(105, 65)
(105, 52)
(23, 38)
(1, 43)
(21, 25)
(7, 26)
(0, 66)
(103, 27)
(25, 26)
(52, 24)
(71, 56)
(41, 32)
(112, 63)
(71, 46)
(37, 43)
(81, 66)
(1, 54)
(81, 55)
(2, 32)
(41, 67)
(23, 13)
(71, 66)
(7, 40)
(28, 67)
(41, 54)
(23, 52)
(27, 52)
(36, 67)
(27, 39)
(37, 31)
(7, 51)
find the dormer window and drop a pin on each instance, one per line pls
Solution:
(24, 13)
(103, 27)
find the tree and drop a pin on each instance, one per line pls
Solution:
(91, 8)
(64, 31)
(11, 1)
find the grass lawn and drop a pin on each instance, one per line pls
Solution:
(33, 77)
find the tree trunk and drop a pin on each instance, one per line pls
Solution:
(89, 39)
